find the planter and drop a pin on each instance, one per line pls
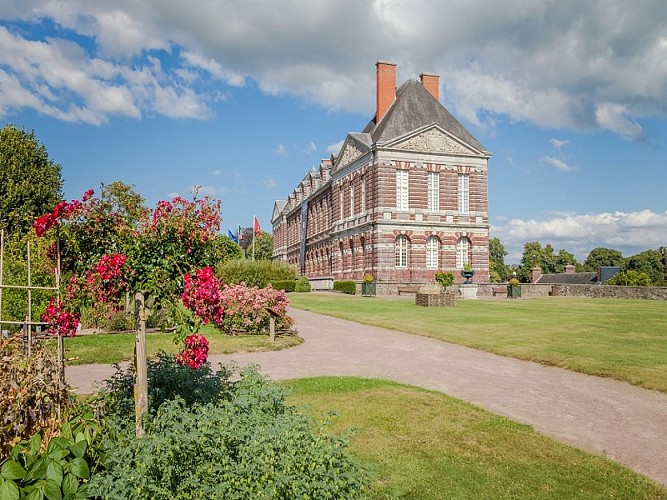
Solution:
(368, 289)
(513, 291)
(468, 274)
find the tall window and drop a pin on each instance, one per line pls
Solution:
(464, 193)
(351, 198)
(433, 191)
(402, 190)
(401, 251)
(342, 205)
(363, 193)
(462, 252)
(432, 252)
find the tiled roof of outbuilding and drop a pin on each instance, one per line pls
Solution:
(568, 279)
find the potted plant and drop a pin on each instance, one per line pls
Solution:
(513, 289)
(368, 287)
(468, 272)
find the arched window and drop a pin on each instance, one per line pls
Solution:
(401, 251)
(462, 252)
(432, 252)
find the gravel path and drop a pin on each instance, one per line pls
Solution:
(626, 423)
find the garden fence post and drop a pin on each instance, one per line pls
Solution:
(141, 381)
(272, 329)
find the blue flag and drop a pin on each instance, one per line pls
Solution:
(232, 236)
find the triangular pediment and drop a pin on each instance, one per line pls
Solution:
(351, 150)
(433, 139)
(278, 207)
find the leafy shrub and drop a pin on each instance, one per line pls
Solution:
(15, 301)
(57, 468)
(349, 287)
(251, 445)
(630, 278)
(254, 272)
(285, 285)
(302, 284)
(167, 380)
(444, 278)
(30, 393)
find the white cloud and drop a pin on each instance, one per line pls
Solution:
(217, 172)
(629, 232)
(593, 65)
(310, 148)
(558, 164)
(280, 150)
(558, 143)
(270, 183)
(335, 148)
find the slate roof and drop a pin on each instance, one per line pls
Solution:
(413, 108)
(568, 279)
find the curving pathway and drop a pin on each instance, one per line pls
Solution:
(626, 423)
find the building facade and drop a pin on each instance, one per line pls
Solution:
(404, 198)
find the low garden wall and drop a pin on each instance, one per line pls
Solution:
(595, 291)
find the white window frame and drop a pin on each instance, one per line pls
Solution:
(462, 252)
(351, 198)
(401, 246)
(402, 180)
(363, 193)
(434, 191)
(432, 253)
(464, 193)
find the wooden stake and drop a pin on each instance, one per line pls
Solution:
(272, 329)
(141, 381)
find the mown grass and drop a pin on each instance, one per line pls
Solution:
(114, 348)
(616, 338)
(422, 445)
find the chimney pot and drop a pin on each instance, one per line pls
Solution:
(431, 83)
(386, 88)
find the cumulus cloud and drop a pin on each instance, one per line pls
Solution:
(555, 64)
(558, 143)
(629, 232)
(280, 150)
(558, 164)
(217, 172)
(270, 183)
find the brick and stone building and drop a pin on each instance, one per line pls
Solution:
(404, 198)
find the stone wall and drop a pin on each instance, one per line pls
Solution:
(596, 291)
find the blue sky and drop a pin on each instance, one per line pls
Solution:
(243, 98)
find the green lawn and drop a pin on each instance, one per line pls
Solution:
(422, 444)
(113, 348)
(621, 339)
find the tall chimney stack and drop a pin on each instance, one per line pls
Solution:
(386, 88)
(431, 83)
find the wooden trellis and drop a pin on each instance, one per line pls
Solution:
(28, 324)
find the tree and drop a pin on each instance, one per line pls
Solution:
(226, 249)
(497, 268)
(30, 182)
(601, 256)
(263, 247)
(630, 278)
(545, 258)
(651, 262)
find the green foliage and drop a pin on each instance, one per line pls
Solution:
(247, 444)
(651, 262)
(349, 287)
(286, 285)
(498, 271)
(15, 301)
(30, 183)
(226, 249)
(30, 393)
(54, 469)
(254, 272)
(302, 284)
(630, 278)
(263, 247)
(602, 257)
(444, 278)
(167, 380)
(545, 258)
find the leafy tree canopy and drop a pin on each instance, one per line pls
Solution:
(601, 256)
(30, 182)
(497, 268)
(651, 262)
(263, 247)
(545, 258)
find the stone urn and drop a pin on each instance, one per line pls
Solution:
(467, 274)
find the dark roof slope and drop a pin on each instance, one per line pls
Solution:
(568, 279)
(413, 108)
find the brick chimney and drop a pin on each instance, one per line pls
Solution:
(386, 88)
(431, 83)
(570, 269)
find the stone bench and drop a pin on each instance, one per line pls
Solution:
(408, 288)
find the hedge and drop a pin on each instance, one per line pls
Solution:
(349, 287)
(286, 285)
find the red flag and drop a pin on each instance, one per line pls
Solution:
(256, 226)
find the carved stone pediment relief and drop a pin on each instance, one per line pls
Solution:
(351, 152)
(433, 140)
